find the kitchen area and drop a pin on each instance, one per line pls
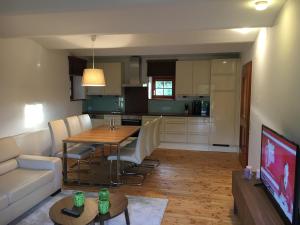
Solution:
(198, 97)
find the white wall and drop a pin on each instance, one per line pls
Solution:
(275, 99)
(31, 74)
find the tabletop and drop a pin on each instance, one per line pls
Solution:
(104, 135)
(90, 212)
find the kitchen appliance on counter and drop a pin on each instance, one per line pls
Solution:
(201, 107)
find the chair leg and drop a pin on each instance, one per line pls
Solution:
(110, 172)
(78, 172)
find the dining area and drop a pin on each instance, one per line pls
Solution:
(107, 155)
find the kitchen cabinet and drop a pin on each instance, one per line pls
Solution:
(201, 78)
(113, 78)
(198, 130)
(223, 82)
(224, 66)
(192, 78)
(97, 122)
(224, 102)
(184, 78)
(184, 130)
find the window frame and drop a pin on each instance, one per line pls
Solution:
(163, 78)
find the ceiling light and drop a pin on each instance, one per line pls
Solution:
(243, 30)
(92, 76)
(261, 5)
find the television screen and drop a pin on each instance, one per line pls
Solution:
(278, 169)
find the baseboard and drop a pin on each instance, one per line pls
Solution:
(197, 147)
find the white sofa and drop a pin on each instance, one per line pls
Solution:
(25, 180)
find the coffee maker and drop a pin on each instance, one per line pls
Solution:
(201, 107)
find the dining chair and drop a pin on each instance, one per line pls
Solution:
(85, 122)
(152, 143)
(73, 125)
(59, 132)
(135, 152)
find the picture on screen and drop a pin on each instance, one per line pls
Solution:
(278, 170)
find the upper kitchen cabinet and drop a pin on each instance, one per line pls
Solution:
(192, 78)
(201, 78)
(113, 77)
(184, 78)
(76, 68)
(223, 66)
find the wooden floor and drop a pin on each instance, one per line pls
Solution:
(197, 185)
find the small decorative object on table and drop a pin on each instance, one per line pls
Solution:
(103, 204)
(248, 172)
(79, 199)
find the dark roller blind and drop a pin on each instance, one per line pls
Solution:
(161, 67)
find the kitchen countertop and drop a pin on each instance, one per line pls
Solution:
(142, 114)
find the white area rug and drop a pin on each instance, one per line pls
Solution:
(142, 211)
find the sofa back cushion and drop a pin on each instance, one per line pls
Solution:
(8, 149)
(35, 143)
(8, 165)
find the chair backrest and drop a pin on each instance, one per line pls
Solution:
(59, 132)
(140, 150)
(85, 122)
(156, 133)
(73, 125)
(150, 138)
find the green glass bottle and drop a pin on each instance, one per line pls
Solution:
(103, 206)
(103, 194)
(79, 199)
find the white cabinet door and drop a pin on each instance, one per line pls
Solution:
(113, 78)
(223, 82)
(184, 78)
(223, 66)
(201, 77)
(223, 118)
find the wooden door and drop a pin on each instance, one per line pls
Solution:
(245, 113)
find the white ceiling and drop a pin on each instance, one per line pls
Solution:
(128, 26)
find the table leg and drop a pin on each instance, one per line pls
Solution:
(65, 163)
(101, 221)
(127, 217)
(118, 164)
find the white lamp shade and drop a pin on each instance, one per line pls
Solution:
(93, 77)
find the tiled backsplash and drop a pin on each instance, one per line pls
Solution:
(114, 103)
(103, 103)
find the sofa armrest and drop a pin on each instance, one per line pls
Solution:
(36, 162)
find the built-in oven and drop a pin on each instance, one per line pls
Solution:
(131, 120)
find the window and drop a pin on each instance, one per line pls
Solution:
(163, 87)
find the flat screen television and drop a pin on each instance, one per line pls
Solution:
(280, 173)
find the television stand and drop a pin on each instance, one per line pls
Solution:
(251, 202)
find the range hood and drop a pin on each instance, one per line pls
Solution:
(133, 73)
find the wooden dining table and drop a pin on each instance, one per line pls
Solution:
(100, 135)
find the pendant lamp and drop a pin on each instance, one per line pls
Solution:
(92, 76)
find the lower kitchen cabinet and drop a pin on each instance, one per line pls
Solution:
(117, 119)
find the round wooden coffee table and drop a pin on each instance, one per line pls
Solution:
(118, 205)
(88, 215)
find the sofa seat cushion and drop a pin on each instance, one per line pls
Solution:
(3, 201)
(20, 182)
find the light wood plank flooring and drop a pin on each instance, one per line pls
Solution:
(197, 185)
